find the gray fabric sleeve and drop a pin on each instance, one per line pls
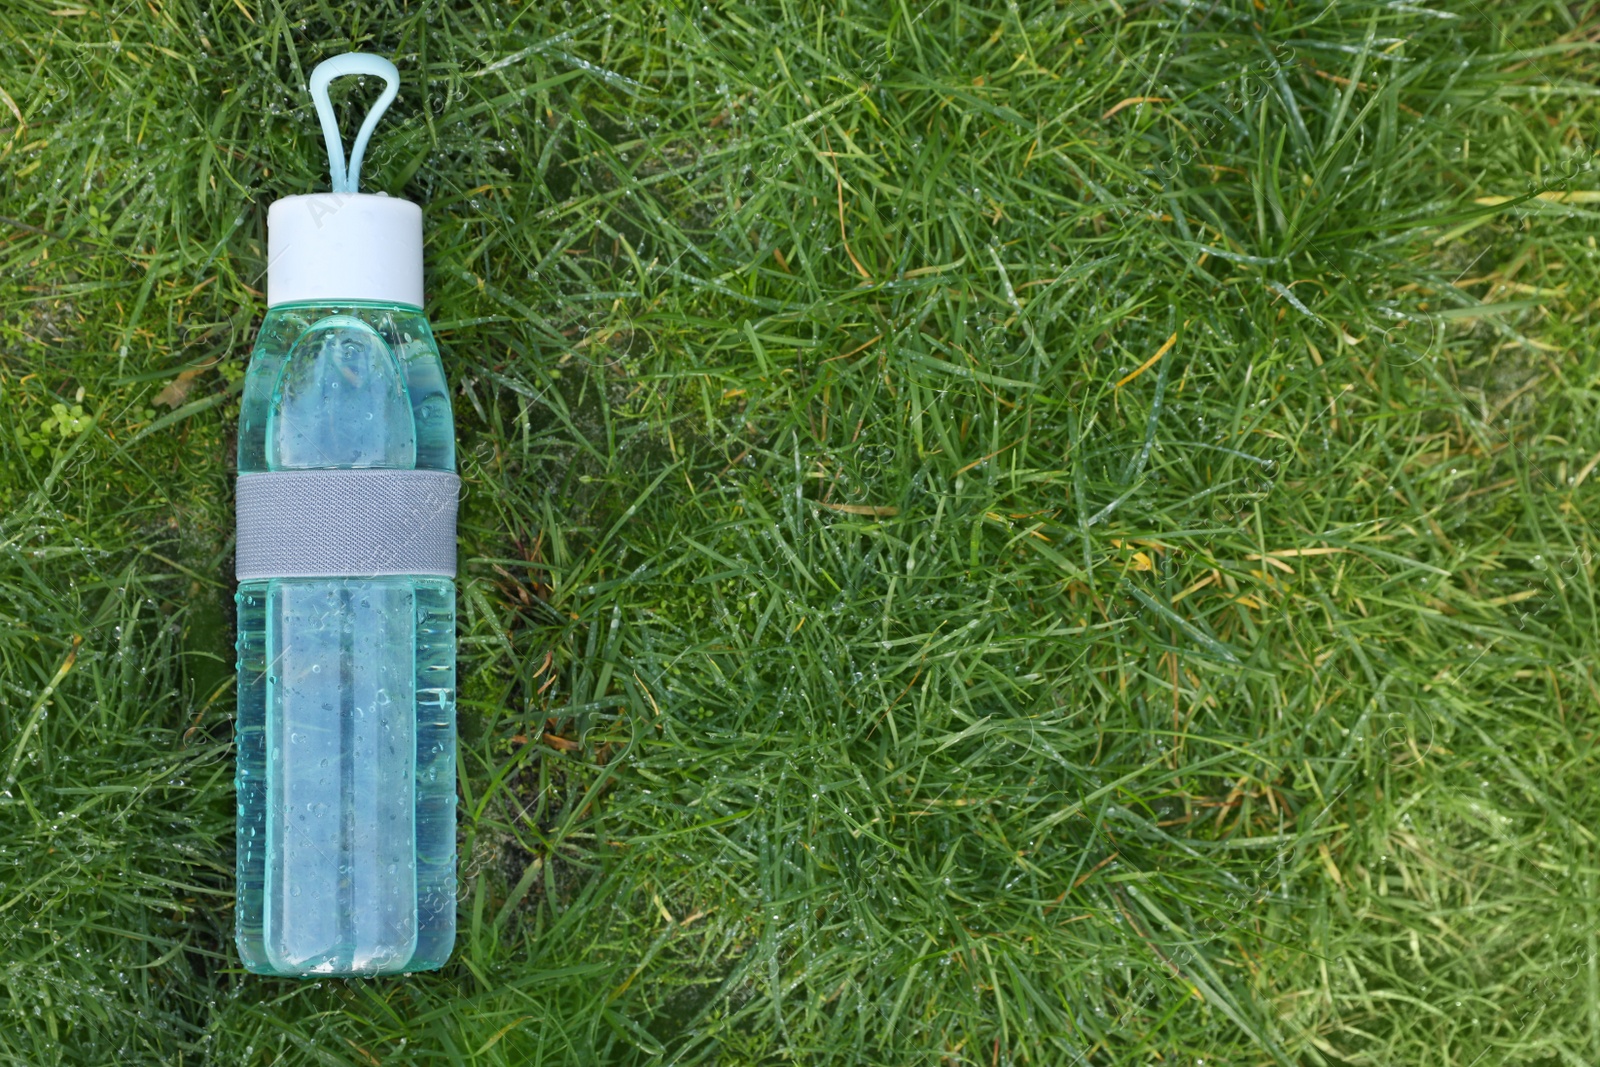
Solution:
(346, 523)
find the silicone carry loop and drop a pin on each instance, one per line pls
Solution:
(348, 179)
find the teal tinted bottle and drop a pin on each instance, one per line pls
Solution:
(346, 670)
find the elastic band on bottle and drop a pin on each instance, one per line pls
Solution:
(346, 524)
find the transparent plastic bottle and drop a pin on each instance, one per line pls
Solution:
(346, 722)
(346, 719)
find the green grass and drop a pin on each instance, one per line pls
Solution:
(867, 653)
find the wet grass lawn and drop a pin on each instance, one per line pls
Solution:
(1011, 533)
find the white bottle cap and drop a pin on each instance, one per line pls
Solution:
(332, 247)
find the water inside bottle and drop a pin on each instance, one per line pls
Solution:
(346, 726)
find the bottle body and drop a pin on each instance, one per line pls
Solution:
(346, 719)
